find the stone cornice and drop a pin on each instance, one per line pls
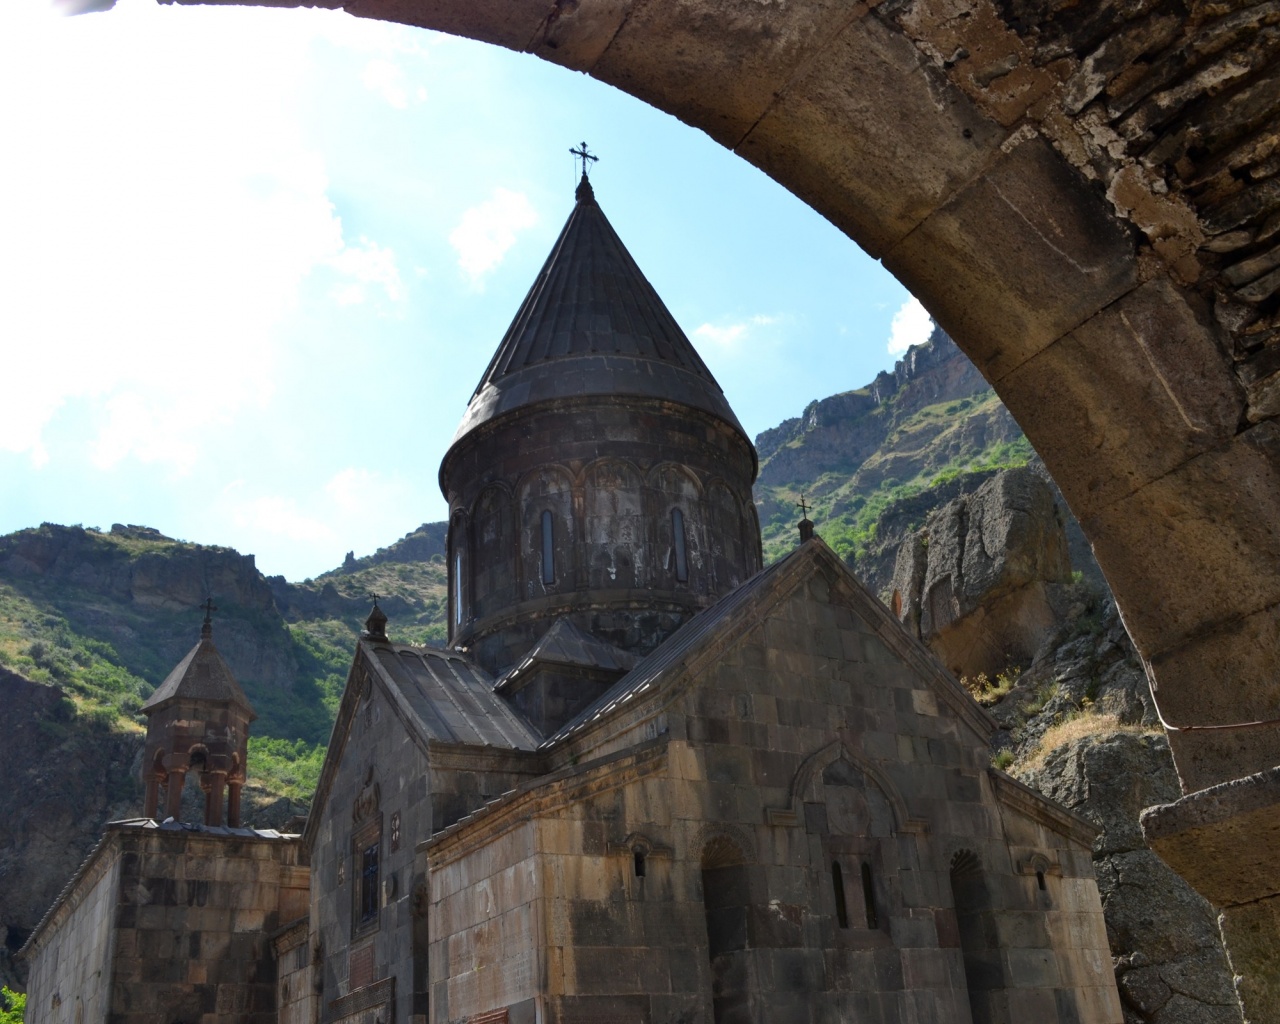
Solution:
(540, 797)
(1022, 798)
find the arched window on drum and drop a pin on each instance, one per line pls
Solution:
(678, 524)
(459, 573)
(547, 532)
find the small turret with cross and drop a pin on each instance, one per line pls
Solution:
(806, 527)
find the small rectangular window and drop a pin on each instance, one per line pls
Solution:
(369, 883)
(548, 548)
(869, 896)
(837, 883)
(677, 535)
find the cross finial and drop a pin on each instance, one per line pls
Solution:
(209, 607)
(586, 158)
(806, 527)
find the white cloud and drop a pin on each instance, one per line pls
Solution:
(386, 78)
(729, 335)
(912, 325)
(366, 263)
(163, 234)
(364, 493)
(274, 516)
(488, 231)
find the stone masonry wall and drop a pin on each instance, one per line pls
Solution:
(70, 980)
(804, 743)
(193, 921)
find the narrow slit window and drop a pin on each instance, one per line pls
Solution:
(369, 884)
(869, 896)
(639, 863)
(837, 884)
(682, 555)
(1040, 880)
(548, 548)
(457, 588)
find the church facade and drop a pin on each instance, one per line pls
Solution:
(649, 780)
(652, 781)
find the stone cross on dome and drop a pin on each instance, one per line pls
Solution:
(206, 630)
(584, 193)
(586, 158)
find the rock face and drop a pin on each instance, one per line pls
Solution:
(60, 784)
(976, 582)
(139, 590)
(1168, 956)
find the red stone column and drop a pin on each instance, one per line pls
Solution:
(151, 804)
(233, 802)
(176, 778)
(213, 783)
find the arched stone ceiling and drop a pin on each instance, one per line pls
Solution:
(1087, 197)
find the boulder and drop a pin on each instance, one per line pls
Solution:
(976, 582)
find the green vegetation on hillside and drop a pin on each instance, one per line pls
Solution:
(77, 623)
(12, 1006)
(927, 449)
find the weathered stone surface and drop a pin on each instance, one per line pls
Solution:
(872, 82)
(973, 582)
(1170, 397)
(1214, 527)
(993, 261)
(1225, 840)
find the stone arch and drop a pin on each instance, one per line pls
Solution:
(808, 778)
(547, 489)
(493, 550)
(614, 525)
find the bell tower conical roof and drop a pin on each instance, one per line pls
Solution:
(592, 325)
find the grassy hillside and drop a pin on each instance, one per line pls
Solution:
(106, 615)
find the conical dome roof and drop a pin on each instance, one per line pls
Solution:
(592, 325)
(201, 676)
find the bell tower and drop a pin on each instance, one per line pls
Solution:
(599, 475)
(198, 721)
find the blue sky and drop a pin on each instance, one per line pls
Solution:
(255, 261)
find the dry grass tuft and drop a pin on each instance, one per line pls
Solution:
(1079, 726)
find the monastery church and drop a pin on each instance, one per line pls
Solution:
(649, 781)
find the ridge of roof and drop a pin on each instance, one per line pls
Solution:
(567, 644)
(202, 675)
(695, 633)
(672, 651)
(592, 324)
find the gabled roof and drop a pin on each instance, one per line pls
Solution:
(592, 325)
(746, 606)
(439, 696)
(202, 675)
(566, 644)
(451, 698)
